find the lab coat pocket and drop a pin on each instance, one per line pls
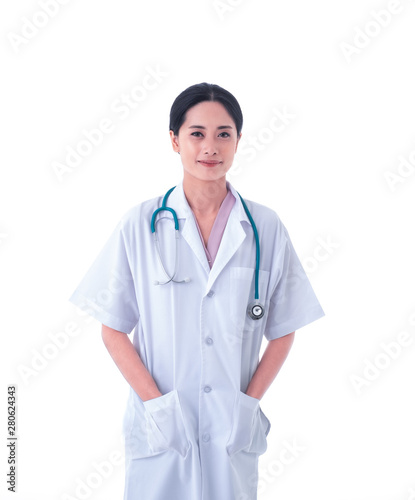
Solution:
(250, 428)
(165, 424)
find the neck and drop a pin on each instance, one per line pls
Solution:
(204, 197)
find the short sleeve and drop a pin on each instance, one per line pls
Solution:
(107, 290)
(293, 303)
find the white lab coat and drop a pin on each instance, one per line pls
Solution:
(201, 440)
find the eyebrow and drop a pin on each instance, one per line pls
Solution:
(219, 128)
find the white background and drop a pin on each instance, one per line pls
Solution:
(323, 172)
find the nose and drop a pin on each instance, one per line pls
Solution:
(209, 146)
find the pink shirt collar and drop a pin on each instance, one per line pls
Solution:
(218, 228)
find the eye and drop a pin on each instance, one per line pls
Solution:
(194, 134)
(224, 134)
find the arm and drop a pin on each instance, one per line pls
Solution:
(273, 358)
(129, 363)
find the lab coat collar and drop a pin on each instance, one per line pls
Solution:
(178, 201)
(232, 238)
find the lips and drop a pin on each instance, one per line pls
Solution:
(209, 163)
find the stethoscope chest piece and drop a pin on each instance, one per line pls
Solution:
(255, 310)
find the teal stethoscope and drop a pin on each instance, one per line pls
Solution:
(255, 310)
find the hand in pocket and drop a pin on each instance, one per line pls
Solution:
(166, 428)
(250, 427)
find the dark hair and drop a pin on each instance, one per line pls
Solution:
(204, 92)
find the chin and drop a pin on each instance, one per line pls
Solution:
(205, 174)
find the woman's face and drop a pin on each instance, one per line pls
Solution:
(207, 141)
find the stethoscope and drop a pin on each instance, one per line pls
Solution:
(254, 310)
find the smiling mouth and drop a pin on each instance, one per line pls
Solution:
(209, 163)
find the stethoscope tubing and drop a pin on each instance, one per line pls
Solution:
(255, 310)
(258, 251)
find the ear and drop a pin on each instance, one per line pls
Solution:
(237, 142)
(174, 142)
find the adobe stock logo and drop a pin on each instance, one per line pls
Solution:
(390, 351)
(250, 146)
(322, 252)
(30, 28)
(290, 452)
(404, 171)
(93, 137)
(96, 477)
(364, 35)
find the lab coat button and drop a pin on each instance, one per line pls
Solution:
(209, 341)
(211, 293)
(206, 438)
(207, 388)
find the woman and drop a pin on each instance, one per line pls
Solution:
(198, 306)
